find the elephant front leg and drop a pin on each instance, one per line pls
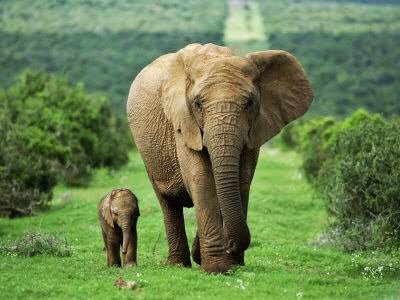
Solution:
(112, 248)
(178, 249)
(209, 244)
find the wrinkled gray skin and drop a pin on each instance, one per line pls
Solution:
(198, 118)
(118, 214)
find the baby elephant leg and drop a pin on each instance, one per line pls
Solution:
(112, 248)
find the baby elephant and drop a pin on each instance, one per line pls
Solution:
(118, 214)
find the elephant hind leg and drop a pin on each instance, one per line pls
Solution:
(178, 249)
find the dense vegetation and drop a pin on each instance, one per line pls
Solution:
(350, 50)
(51, 131)
(354, 165)
(103, 44)
(360, 181)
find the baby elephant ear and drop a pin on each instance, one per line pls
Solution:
(285, 92)
(106, 210)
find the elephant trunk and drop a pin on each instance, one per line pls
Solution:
(224, 147)
(126, 233)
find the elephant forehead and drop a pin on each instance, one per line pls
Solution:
(204, 66)
(227, 87)
(124, 198)
(225, 77)
(122, 193)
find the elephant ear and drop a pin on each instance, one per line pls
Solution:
(106, 209)
(285, 93)
(175, 104)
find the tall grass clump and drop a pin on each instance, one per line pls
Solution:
(38, 243)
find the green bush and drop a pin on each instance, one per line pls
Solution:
(26, 176)
(53, 131)
(354, 164)
(38, 243)
(288, 138)
(64, 124)
(361, 184)
(315, 138)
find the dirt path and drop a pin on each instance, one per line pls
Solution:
(244, 27)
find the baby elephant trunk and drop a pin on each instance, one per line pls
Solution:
(126, 233)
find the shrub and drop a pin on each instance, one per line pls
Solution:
(53, 131)
(354, 165)
(38, 243)
(288, 138)
(64, 124)
(26, 176)
(361, 184)
(315, 138)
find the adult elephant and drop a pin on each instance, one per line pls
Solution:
(198, 118)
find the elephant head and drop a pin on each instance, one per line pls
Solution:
(120, 207)
(221, 103)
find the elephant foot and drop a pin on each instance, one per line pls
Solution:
(113, 261)
(114, 264)
(196, 250)
(237, 259)
(218, 265)
(129, 265)
(179, 260)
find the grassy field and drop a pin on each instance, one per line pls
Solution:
(281, 263)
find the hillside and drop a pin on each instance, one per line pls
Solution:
(103, 44)
(351, 50)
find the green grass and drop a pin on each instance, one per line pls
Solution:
(281, 263)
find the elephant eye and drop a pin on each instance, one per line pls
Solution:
(198, 103)
(249, 104)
